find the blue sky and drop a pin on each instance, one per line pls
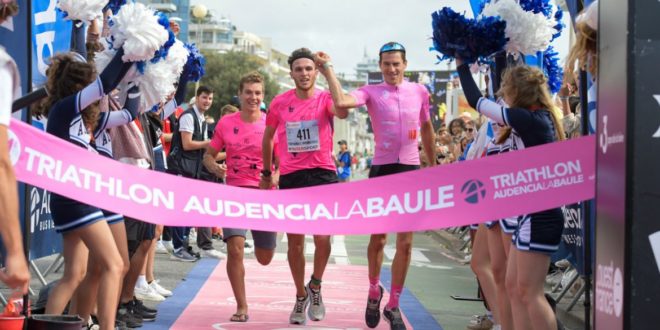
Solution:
(343, 28)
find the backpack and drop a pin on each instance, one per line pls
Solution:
(179, 161)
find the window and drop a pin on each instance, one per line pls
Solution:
(207, 37)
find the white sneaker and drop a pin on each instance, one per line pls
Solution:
(147, 293)
(193, 235)
(160, 248)
(159, 289)
(168, 246)
(213, 253)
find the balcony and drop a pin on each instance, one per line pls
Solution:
(163, 7)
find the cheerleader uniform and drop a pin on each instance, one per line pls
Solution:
(65, 122)
(538, 231)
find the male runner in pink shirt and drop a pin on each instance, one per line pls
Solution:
(302, 119)
(398, 110)
(240, 134)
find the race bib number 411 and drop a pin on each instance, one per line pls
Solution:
(302, 136)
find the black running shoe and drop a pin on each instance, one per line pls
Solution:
(125, 314)
(120, 325)
(142, 307)
(193, 253)
(372, 314)
(393, 317)
(138, 308)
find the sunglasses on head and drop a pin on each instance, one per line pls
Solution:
(391, 47)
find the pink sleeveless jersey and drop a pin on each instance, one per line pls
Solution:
(397, 113)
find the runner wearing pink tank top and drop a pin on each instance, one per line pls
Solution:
(399, 112)
(302, 118)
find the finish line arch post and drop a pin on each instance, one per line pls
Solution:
(627, 271)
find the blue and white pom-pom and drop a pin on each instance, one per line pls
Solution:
(136, 28)
(193, 70)
(537, 6)
(157, 81)
(81, 10)
(552, 69)
(114, 6)
(162, 51)
(454, 35)
(528, 32)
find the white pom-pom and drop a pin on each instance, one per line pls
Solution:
(157, 82)
(528, 33)
(82, 10)
(102, 59)
(136, 29)
(177, 56)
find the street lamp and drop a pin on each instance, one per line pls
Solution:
(199, 12)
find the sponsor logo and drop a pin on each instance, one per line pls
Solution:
(291, 109)
(235, 130)
(474, 191)
(537, 179)
(40, 215)
(14, 148)
(607, 140)
(609, 289)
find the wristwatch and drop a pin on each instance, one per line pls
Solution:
(266, 173)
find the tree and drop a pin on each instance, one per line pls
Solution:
(223, 74)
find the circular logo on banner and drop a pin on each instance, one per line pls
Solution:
(474, 191)
(617, 292)
(14, 147)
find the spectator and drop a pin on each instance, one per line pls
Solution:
(185, 159)
(16, 274)
(343, 162)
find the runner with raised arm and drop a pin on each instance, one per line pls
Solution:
(399, 112)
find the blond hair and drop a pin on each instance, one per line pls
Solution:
(584, 53)
(253, 77)
(527, 87)
(228, 109)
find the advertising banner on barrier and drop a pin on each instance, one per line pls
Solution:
(573, 234)
(451, 195)
(50, 34)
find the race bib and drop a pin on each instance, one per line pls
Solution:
(302, 136)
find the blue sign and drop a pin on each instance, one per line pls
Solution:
(50, 34)
(44, 240)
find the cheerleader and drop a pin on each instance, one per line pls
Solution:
(72, 108)
(538, 235)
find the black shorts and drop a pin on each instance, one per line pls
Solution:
(308, 178)
(387, 169)
(540, 232)
(137, 232)
(69, 214)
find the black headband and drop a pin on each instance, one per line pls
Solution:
(301, 55)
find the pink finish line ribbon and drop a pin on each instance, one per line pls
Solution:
(459, 194)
